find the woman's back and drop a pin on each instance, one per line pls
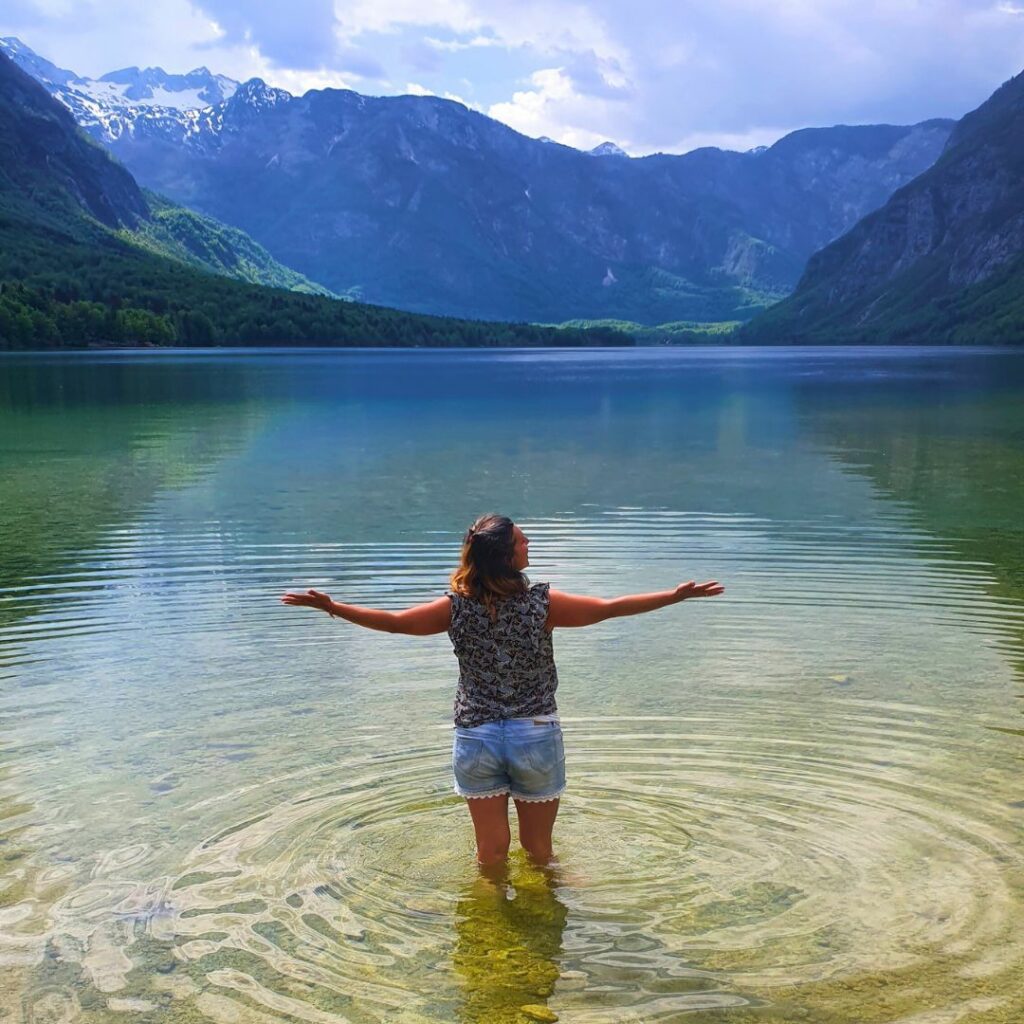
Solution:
(506, 666)
(508, 742)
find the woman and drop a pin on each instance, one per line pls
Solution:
(507, 737)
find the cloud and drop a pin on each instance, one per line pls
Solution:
(300, 82)
(299, 34)
(549, 109)
(652, 75)
(661, 74)
(359, 62)
(422, 57)
(592, 75)
(415, 89)
(738, 141)
(541, 26)
(23, 12)
(93, 37)
(454, 45)
(742, 72)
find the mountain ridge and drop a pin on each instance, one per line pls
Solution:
(360, 192)
(87, 257)
(942, 256)
(421, 203)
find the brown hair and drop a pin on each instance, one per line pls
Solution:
(485, 569)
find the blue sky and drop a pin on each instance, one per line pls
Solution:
(648, 74)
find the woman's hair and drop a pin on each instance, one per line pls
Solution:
(485, 569)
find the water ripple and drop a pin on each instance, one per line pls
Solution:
(700, 869)
(790, 831)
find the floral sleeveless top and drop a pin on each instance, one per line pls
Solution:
(506, 667)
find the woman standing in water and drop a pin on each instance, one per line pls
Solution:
(508, 741)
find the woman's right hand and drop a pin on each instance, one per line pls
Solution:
(710, 589)
(310, 599)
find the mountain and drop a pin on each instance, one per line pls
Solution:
(108, 107)
(607, 149)
(941, 261)
(38, 67)
(85, 256)
(154, 87)
(206, 244)
(420, 203)
(46, 155)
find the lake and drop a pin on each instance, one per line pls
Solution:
(800, 801)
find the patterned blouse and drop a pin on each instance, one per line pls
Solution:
(506, 667)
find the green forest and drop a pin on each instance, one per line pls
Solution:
(68, 293)
(88, 258)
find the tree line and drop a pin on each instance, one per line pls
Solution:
(74, 295)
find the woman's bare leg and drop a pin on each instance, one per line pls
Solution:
(536, 820)
(490, 822)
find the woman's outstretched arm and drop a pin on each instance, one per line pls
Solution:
(420, 620)
(577, 610)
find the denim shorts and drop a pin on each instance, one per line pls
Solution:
(523, 757)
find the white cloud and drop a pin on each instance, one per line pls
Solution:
(651, 75)
(369, 16)
(543, 25)
(543, 110)
(456, 98)
(415, 89)
(735, 73)
(454, 45)
(93, 37)
(739, 141)
(299, 82)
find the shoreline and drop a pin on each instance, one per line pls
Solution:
(149, 347)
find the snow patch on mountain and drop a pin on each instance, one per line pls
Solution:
(147, 100)
(607, 149)
(38, 67)
(114, 94)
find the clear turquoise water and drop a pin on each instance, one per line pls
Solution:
(797, 802)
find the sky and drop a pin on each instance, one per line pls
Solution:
(649, 75)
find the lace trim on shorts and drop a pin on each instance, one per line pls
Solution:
(505, 792)
(538, 799)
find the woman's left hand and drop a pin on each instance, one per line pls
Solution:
(310, 599)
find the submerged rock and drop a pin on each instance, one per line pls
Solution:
(537, 1012)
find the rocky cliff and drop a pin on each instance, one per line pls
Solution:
(927, 264)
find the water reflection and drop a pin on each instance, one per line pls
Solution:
(509, 927)
(953, 458)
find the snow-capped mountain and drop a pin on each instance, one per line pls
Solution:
(154, 87)
(114, 104)
(38, 67)
(607, 149)
(420, 203)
